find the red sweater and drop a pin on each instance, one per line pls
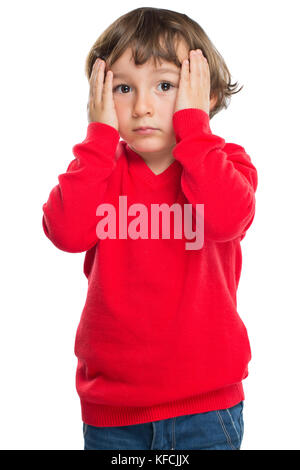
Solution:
(159, 335)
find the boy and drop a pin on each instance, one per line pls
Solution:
(161, 348)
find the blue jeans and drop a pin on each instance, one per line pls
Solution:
(213, 430)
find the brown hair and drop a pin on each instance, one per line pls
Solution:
(155, 32)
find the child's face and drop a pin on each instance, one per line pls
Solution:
(146, 99)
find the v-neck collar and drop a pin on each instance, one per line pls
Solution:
(140, 167)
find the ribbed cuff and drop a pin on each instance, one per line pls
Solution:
(104, 415)
(95, 130)
(186, 120)
(101, 139)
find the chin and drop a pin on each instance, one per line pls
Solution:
(145, 146)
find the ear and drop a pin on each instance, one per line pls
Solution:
(212, 102)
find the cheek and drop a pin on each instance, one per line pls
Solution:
(122, 109)
(167, 109)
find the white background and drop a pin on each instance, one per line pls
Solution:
(43, 114)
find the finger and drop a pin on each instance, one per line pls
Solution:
(93, 77)
(107, 89)
(195, 66)
(203, 61)
(98, 84)
(185, 70)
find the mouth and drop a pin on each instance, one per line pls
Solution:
(145, 128)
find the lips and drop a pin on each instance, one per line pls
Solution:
(144, 128)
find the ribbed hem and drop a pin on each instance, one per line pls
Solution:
(103, 415)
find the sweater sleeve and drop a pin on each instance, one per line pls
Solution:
(218, 175)
(69, 215)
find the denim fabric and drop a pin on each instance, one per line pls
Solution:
(213, 430)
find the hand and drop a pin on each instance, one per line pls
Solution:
(194, 85)
(101, 107)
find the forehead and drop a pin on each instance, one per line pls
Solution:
(125, 63)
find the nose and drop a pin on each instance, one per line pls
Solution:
(143, 104)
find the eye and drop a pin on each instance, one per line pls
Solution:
(169, 84)
(121, 85)
(126, 86)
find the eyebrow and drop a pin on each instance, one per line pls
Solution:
(162, 70)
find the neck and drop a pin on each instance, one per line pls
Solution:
(157, 161)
